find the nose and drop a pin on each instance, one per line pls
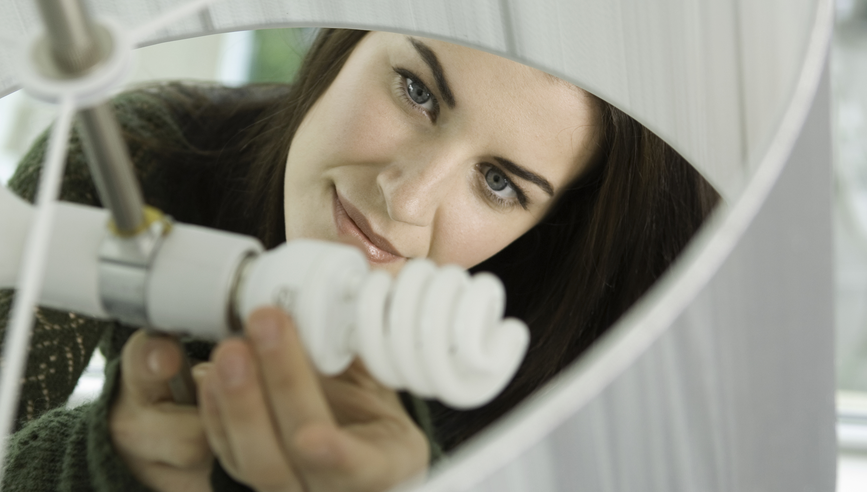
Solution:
(415, 189)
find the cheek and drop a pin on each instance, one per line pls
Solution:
(363, 127)
(467, 239)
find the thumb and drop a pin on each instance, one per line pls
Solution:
(148, 362)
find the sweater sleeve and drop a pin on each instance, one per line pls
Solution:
(70, 450)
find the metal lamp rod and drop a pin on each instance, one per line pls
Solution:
(76, 47)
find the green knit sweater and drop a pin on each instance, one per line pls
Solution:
(60, 449)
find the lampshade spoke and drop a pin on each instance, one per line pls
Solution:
(32, 273)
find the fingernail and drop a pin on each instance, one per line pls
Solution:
(233, 370)
(200, 371)
(265, 331)
(154, 360)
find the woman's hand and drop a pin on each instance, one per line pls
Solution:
(162, 443)
(276, 425)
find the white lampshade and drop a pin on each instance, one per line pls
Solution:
(721, 378)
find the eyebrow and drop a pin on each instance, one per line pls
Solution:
(430, 58)
(526, 175)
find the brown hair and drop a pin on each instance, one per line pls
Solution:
(612, 235)
(608, 239)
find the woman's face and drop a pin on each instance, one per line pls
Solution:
(425, 149)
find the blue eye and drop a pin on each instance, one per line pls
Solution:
(499, 183)
(417, 92)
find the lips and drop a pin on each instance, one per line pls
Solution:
(352, 223)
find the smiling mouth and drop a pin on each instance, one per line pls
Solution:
(353, 224)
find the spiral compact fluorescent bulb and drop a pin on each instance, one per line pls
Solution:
(434, 331)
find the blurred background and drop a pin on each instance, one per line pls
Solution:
(236, 58)
(274, 55)
(849, 86)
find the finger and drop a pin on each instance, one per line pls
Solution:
(247, 421)
(356, 397)
(210, 415)
(165, 433)
(290, 380)
(148, 362)
(370, 457)
(376, 445)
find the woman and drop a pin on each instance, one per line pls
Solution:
(404, 147)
